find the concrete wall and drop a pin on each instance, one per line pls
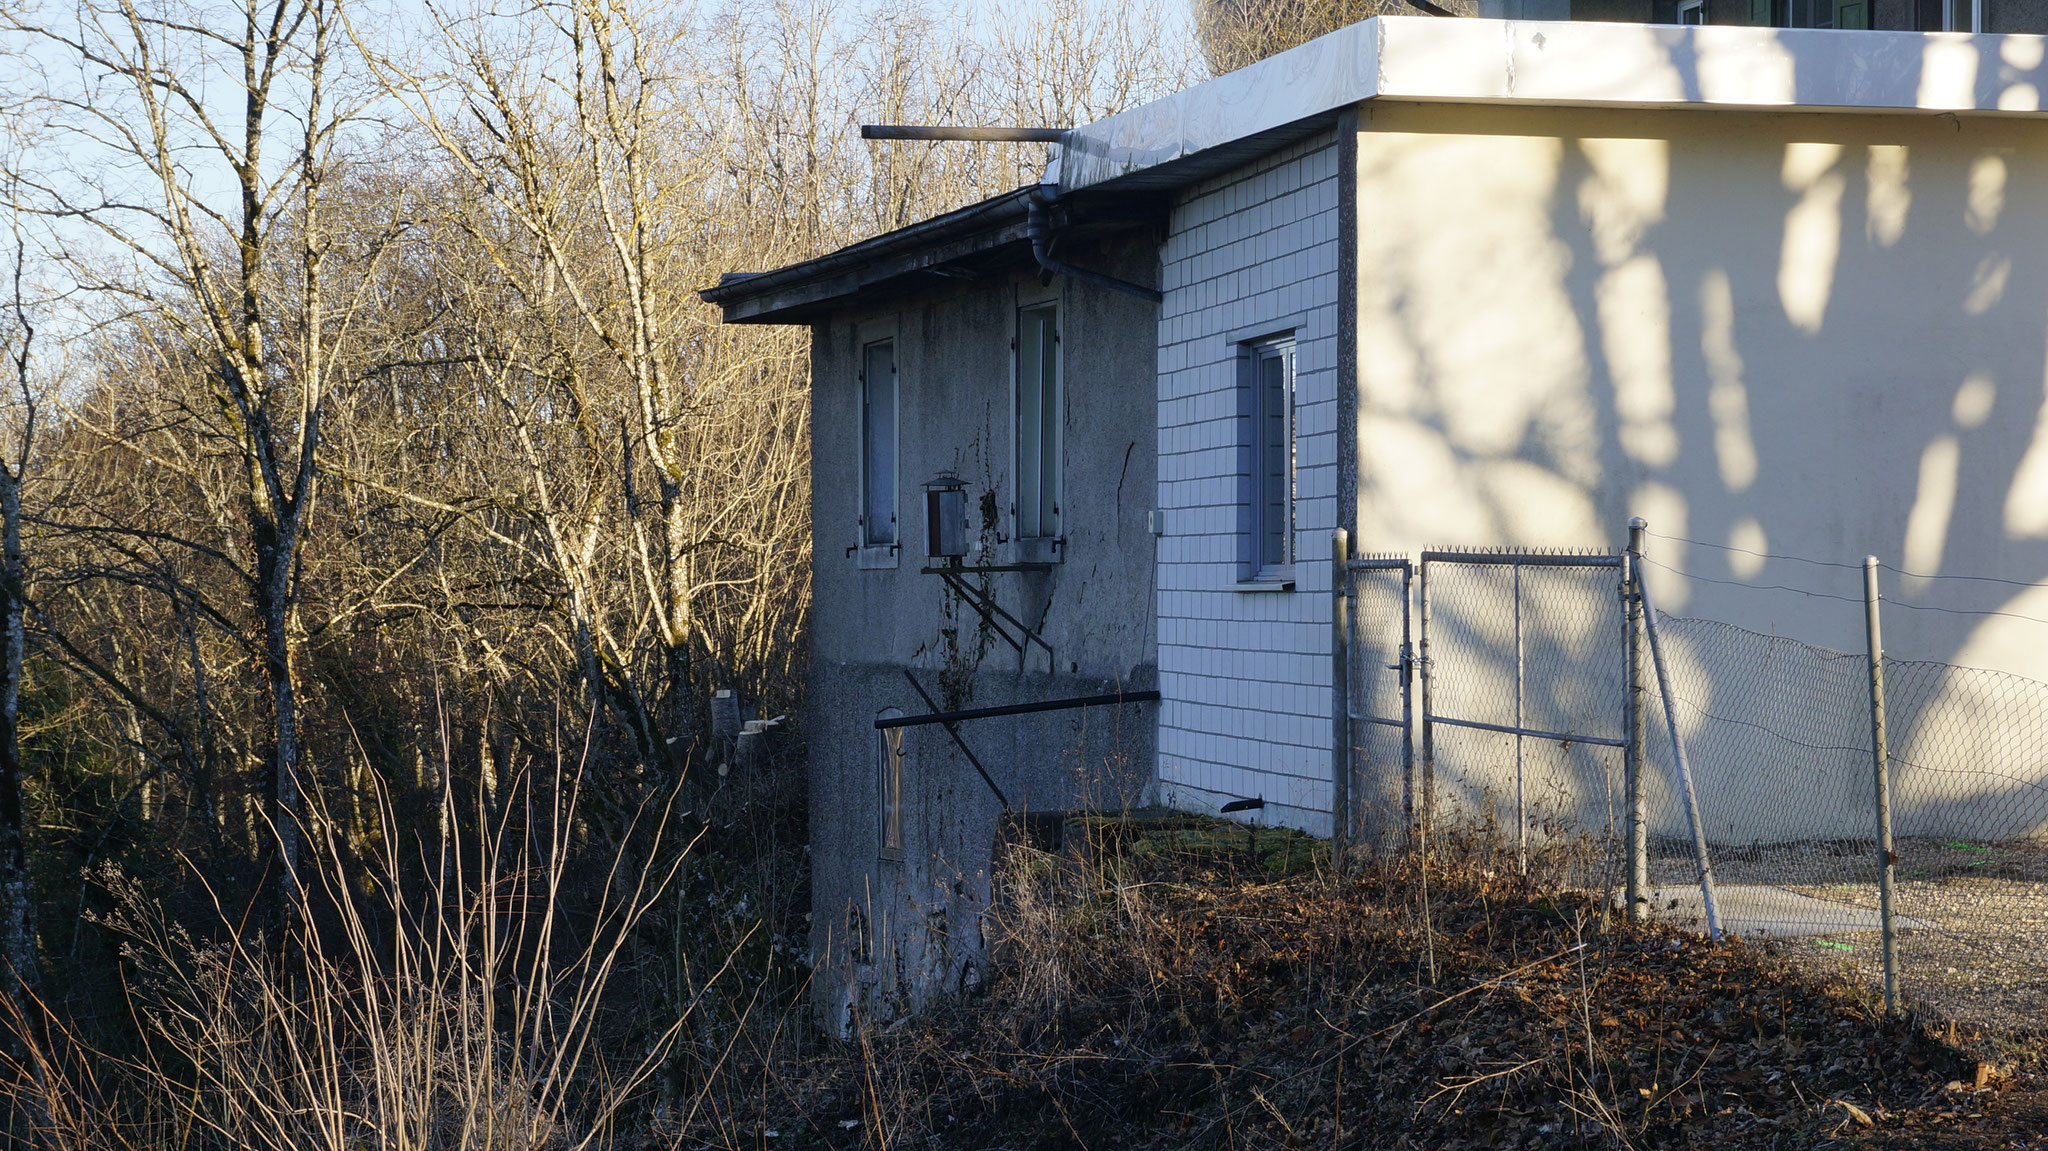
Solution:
(870, 623)
(1774, 335)
(1245, 674)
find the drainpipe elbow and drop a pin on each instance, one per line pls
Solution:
(1038, 225)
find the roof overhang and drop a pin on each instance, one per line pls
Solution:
(972, 243)
(958, 244)
(1218, 124)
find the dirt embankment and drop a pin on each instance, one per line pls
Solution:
(1175, 995)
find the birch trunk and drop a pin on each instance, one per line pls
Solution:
(17, 897)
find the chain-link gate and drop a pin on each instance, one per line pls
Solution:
(1523, 669)
(1525, 693)
(1376, 799)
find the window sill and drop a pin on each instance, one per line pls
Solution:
(1273, 579)
(1041, 550)
(878, 556)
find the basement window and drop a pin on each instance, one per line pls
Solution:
(1038, 418)
(878, 408)
(889, 786)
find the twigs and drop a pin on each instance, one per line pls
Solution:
(1251, 999)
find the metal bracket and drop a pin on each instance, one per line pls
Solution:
(991, 612)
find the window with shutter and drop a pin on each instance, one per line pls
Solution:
(878, 409)
(1039, 433)
(1267, 367)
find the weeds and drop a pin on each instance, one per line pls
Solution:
(468, 999)
(1162, 988)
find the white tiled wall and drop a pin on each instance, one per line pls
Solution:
(1245, 676)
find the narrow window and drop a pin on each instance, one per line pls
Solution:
(1271, 368)
(1815, 13)
(878, 444)
(860, 935)
(889, 786)
(1692, 12)
(1038, 422)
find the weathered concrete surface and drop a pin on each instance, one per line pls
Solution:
(921, 913)
(1767, 912)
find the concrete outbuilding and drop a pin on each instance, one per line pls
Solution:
(1432, 282)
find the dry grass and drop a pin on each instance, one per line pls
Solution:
(470, 1003)
(1188, 996)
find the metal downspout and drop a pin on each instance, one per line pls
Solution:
(1038, 225)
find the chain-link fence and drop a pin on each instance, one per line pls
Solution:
(1522, 727)
(1779, 735)
(1523, 700)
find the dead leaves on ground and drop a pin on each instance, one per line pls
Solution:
(1299, 1013)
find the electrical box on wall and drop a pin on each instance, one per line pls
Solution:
(945, 517)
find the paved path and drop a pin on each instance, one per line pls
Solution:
(1772, 912)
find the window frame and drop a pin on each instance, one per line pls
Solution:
(1259, 569)
(875, 551)
(1042, 546)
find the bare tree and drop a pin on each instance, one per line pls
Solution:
(226, 250)
(1235, 33)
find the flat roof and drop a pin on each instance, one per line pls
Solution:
(1235, 118)
(1215, 124)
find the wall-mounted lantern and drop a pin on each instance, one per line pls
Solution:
(945, 517)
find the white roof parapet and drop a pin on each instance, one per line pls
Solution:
(1567, 63)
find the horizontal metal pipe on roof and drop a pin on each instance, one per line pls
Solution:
(991, 135)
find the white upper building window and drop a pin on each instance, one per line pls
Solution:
(1038, 424)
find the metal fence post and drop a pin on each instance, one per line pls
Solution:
(1880, 762)
(1340, 681)
(1692, 805)
(1521, 787)
(1406, 668)
(1425, 792)
(1632, 755)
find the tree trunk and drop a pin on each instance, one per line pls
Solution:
(273, 606)
(17, 897)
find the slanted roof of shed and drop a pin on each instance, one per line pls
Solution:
(1124, 160)
(956, 244)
